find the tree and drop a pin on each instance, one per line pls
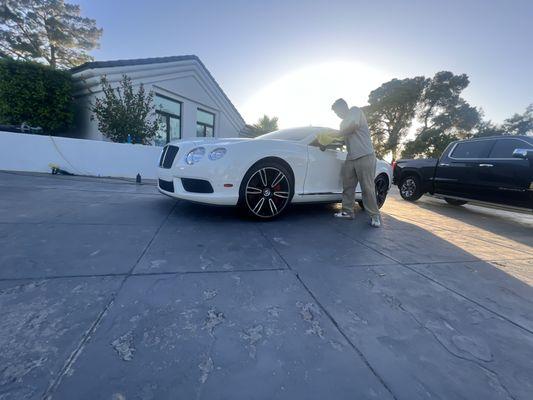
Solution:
(391, 111)
(487, 128)
(520, 124)
(265, 124)
(122, 112)
(49, 31)
(444, 115)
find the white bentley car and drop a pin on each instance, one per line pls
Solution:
(262, 175)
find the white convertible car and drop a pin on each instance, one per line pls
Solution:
(263, 175)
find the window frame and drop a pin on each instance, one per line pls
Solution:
(167, 115)
(471, 141)
(529, 146)
(203, 124)
(450, 154)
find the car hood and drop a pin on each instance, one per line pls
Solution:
(208, 142)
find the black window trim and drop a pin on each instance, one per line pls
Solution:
(203, 124)
(495, 139)
(167, 115)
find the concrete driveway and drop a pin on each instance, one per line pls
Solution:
(109, 290)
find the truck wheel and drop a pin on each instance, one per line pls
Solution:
(455, 202)
(410, 188)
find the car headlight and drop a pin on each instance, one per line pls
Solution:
(195, 155)
(217, 154)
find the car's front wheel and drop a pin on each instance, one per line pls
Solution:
(382, 188)
(266, 190)
(410, 188)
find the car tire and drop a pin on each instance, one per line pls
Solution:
(410, 188)
(382, 189)
(455, 202)
(266, 190)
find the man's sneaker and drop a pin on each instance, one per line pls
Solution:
(375, 221)
(343, 214)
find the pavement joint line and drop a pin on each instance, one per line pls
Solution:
(75, 223)
(125, 274)
(69, 362)
(432, 262)
(82, 190)
(441, 284)
(461, 233)
(330, 317)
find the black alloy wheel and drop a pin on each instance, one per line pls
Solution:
(382, 189)
(410, 188)
(267, 191)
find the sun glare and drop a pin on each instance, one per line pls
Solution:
(304, 96)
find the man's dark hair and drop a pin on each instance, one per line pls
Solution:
(339, 102)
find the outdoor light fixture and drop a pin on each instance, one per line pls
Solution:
(195, 155)
(217, 154)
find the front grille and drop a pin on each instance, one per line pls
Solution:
(168, 156)
(166, 186)
(196, 185)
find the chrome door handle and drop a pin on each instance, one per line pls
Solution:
(486, 165)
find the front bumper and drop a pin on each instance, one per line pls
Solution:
(210, 185)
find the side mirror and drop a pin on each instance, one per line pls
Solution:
(524, 154)
(331, 146)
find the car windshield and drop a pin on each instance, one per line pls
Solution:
(294, 134)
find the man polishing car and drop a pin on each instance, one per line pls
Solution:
(360, 164)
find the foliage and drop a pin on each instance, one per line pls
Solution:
(520, 124)
(35, 94)
(487, 128)
(391, 111)
(122, 112)
(265, 124)
(444, 115)
(50, 31)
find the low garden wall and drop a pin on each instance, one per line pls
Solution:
(34, 153)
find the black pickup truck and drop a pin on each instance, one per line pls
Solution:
(493, 170)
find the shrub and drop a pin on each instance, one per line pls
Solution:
(35, 94)
(124, 111)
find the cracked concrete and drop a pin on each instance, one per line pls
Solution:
(109, 290)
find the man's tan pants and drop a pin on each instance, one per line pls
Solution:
(361, 170)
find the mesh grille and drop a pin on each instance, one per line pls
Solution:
(168, 156)
(166, 186)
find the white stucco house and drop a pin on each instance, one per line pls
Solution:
(189, 101)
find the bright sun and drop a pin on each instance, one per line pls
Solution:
(303, 97)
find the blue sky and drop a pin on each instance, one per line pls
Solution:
(248, 45)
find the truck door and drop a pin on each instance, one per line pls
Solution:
(504, 179)
(457, 169)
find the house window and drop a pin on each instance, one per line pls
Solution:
(169, 113)
(205, 123)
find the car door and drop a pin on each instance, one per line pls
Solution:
(456, 174)
(504, 179)
(324, 170)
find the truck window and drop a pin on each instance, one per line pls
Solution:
(474, 149)
(504, 148)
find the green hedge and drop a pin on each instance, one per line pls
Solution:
(35, 94)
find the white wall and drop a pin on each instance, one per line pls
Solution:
(33, 153)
